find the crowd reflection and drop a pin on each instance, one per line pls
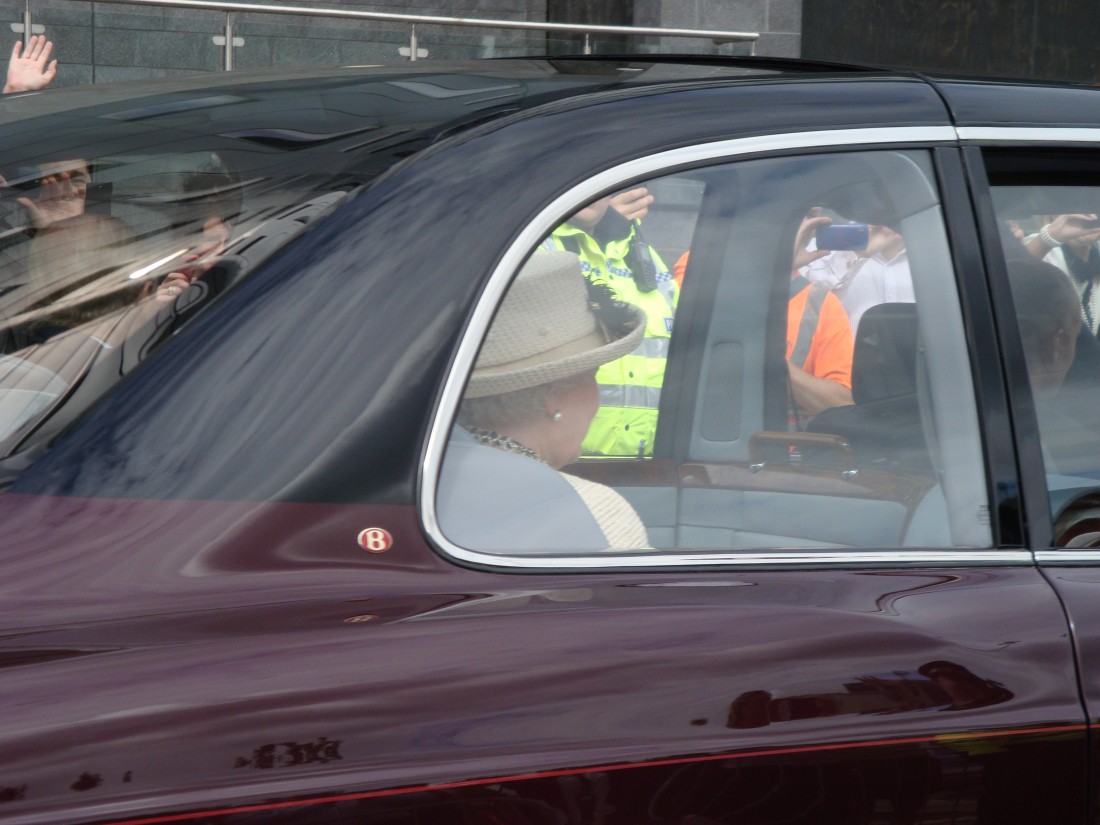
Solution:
(937, 685)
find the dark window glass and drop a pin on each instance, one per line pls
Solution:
(1048, 210)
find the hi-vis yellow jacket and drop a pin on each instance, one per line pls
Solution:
(630, 388)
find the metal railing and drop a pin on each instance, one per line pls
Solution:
(229, 41)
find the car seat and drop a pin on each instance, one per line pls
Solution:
(884, 425)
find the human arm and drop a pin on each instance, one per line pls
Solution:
(802, 256)
(633, 204)
(1064, 229)
(679, 268)
(31, 70)
(839, 269)
(61, 195)
(196, 264)
(832, 269)
(826, 379)
(883, 241)
(814, 394)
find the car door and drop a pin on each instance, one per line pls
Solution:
(887, 650)
(1030, 188)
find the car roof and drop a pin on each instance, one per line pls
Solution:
(1020, 103)
(386, 112)
(534, 79)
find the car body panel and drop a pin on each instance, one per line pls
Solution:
(1020, 104)
(401, 671)
(195, 628)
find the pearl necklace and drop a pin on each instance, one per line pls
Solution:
(502, 442)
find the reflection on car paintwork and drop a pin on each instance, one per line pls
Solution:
(933, 686)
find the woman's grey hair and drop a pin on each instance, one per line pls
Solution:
(499, 412)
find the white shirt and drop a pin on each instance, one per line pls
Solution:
(1090, 314)
(861, 283)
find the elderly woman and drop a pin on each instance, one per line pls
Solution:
(1049, 317)
(527, 407)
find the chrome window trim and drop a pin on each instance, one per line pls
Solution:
(532, 235)
(1029, 134)
(1068, 557)
(772, 557)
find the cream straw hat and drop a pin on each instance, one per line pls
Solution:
(546, 330)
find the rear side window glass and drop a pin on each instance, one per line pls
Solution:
(760, 356)
(1048, 210)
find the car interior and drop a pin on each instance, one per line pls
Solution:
(732, 469)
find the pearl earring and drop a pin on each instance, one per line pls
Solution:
(557, 415)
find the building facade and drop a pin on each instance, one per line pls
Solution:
(99, 42)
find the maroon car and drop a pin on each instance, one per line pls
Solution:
(809, 539)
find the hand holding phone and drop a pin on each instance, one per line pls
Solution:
(1079, 227)
(803, 255)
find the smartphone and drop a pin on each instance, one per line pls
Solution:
(21, 187)
(849, 236)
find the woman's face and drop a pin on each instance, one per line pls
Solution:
(577, 401)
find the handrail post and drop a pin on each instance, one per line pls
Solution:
(413, 50)
(229, 41)
(28, 24)
(27, 27)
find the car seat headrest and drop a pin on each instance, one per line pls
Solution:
(884, 364)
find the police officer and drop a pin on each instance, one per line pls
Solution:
(606, 236)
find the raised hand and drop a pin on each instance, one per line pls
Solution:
(33, 70)
(810, 224)
(633, 204)
(1076, 228)
(61, 194)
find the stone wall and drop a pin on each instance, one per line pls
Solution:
(1054, 39)
(778, 21)
(105, 42)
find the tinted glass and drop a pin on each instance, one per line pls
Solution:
(800, 379)
(1048, 208)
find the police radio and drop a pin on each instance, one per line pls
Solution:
(639, 260)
